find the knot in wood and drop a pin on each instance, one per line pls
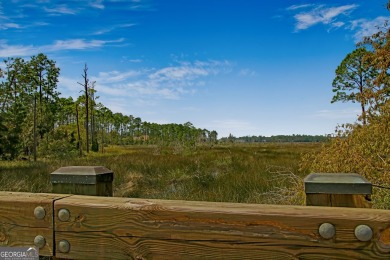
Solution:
(80, 218)
(3, 237)
(385, 236)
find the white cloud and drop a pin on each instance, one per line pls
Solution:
(338, 24)
(60, 45)
(5, 26)
(59, 10)
(247, 72)
(1, 11)
(188, 71)
(135, 60)
(165, 83)
(15, 50)
(321, 15)
(132, 60)
(112, 28)
(115, 76)
(366, 27)
(178, 73)
(69, 87)
(295, 7)
(78, 44)
(98, 4)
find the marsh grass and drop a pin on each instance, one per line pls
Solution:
(246, 173)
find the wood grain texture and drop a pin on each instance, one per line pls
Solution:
(122, 228)
(19, 226)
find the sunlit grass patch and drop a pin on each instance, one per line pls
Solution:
(228, 173)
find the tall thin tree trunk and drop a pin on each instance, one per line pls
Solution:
(362, 100)
(93, 134)
(85, 85)
(78, 131)
(35, 129)
(103, 135)
(86, 113)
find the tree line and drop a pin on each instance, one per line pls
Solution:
(36, 121)
(276, 138)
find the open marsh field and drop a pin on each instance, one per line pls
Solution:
(245, 173)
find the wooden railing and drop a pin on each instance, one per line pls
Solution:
(95, 227)
(90, 227)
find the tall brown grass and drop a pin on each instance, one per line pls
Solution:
(247, 173)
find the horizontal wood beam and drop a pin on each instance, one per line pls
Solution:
(124, 228)
(86, 227)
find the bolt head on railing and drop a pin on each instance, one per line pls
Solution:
(63, 214)
(327, 230)
(39, 241)
(363, 233)
(39, 212)
(64, 246)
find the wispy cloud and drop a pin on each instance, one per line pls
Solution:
(296, 7)
(170, 82)
(97, 4)
(15, 50)
(1, 11)
(59, 45)
(79, 44)
(319, 14)
(112, 28)
(60, 10)
(247, 72)
(186, 71)
(5, 26)
(338, 24)
(116, 76)
(365, 27)
(69, 86)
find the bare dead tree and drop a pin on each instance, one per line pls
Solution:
(85, 85)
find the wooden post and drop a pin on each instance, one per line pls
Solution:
(82, 180)
(338, 190)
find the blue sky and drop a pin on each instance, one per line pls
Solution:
(241, 67)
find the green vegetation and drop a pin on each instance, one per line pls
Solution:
(363, 76)
(353, 81)
(37, 122)
(247, 173)
(180, 161)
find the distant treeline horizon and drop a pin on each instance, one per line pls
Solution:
(276, 138)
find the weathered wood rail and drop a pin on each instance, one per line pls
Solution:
(88, 227)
